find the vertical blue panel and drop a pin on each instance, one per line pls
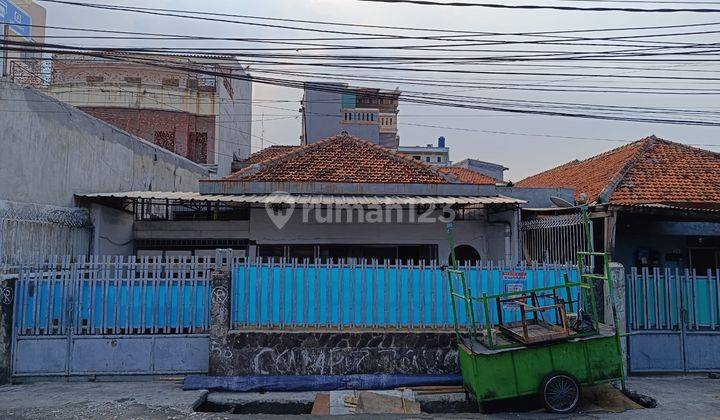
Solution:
(347, 295)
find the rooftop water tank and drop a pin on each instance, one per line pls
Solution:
(441, 141)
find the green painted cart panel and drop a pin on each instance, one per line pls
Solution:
(494, 375)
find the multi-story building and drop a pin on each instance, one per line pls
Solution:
(205, 118)
(332, 108)
(22, 21)
(436, 155)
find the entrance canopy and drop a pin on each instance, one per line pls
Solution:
(158, 197)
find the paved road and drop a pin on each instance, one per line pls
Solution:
(691, 397)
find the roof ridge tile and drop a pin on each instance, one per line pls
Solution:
(323, 168)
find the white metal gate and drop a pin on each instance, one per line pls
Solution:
(674, 320)
(113, 316)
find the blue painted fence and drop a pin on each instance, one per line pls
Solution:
(370, 295)
(148, 296)
(114, 296)
(658, 297)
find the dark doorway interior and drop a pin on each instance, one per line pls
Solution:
(465, 253)
(703, 259)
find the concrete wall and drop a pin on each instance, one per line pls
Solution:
(369, 132)
(52, 151)
(113, 231)
(390, 140)
(234, 121)
(322, 117)
(495, 242)
(490, 169)
(488, 240)
(333, 353)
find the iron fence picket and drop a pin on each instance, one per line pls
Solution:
(169, 296)
(332, 292)
(717, 297)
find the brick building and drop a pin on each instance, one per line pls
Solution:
(206, 119)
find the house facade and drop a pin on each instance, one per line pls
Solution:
(654, 203)
(340, 198)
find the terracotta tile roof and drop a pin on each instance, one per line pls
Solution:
(468, 176)
(342, 158)
(650, 170)
(270, 153)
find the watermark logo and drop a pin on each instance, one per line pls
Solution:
(280, 212)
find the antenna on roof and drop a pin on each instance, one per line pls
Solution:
(561, 202)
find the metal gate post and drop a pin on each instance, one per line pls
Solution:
(19, 306)
(70, 315)
(8, 307)
(682, 315)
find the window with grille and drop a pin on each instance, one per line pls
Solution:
(165, 139)
(197, 147)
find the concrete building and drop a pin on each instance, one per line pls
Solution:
(207, 119)
(654, 203)
(329, 109)
(24, 21)
(51, 151)
(435, 155)
(340, 174)
(492, 170)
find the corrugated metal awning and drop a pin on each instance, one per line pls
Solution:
(309, 199)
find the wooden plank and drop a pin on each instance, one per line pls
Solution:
(321, 406)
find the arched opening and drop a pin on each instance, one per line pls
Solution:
(465, 253)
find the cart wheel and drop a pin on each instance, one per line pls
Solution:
(560, 392)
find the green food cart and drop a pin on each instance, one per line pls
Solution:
(554, 350)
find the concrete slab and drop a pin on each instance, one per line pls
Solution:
(97, 400)
(232, 398)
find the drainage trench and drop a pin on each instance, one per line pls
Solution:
(219, 402)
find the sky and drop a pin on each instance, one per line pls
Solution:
(475, 134)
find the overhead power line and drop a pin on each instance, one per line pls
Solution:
(635, 114)
(545, 7)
